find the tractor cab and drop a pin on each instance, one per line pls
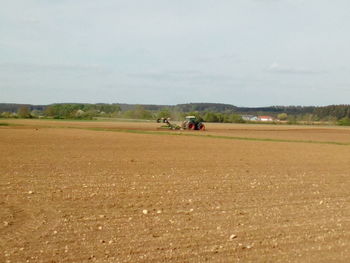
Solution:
(190, 118)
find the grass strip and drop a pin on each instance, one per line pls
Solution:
(9, 124)
(217, 136)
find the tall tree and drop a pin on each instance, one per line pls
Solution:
(23, 112)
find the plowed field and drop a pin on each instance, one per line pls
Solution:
(127, 192)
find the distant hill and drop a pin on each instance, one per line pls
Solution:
(293, 110)
(151, 107)
(13, 107)
(202, 107)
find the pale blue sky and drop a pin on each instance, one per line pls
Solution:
(241, 52)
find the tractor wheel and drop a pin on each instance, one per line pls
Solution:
(201, 127)
(191, 126)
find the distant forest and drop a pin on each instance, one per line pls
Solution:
(212, 112)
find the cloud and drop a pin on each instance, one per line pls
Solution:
(281, 69)
(30, 20)
(222, 57)
(181, 76)
(173, 50)
(28, 67)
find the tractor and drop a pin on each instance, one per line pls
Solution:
(192, 123)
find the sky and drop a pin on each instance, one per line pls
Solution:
(241, 52)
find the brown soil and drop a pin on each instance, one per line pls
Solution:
(76, 195)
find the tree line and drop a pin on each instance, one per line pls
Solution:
(65, 111)
(209, 112)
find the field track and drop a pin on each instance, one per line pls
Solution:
(127, 192)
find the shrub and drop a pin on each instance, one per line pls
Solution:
(344, 122)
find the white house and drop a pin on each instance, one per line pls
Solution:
(249, 118)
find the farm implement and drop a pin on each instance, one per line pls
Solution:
(190, 123)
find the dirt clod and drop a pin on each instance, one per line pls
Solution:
(233, 236)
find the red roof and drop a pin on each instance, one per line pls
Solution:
(265, 117)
